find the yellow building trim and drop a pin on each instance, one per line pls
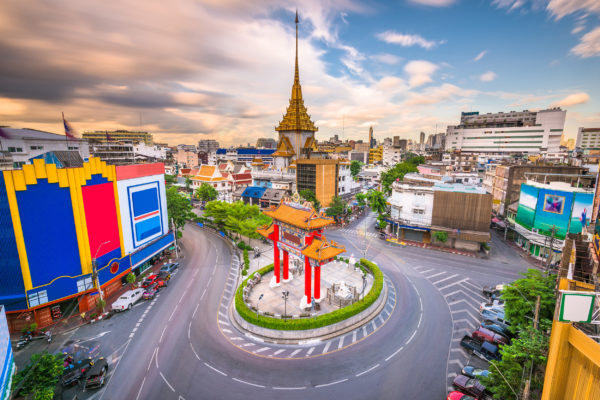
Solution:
(29, 172)
(87, 170)
(40, 170)
(118, 210)
(58, 277)
(51, 173)
(17, 227)
(82, 242)
(63, 178)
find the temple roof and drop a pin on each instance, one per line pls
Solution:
(296, 117)
(265, 231)
(284, 148)
(322, 249)
(299, 216)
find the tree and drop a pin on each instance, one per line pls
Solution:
(206, 192)
(521, 295)
(309, 195)
(361, 199)
(39, 378)
(355, 167)
(440, 236)
(337, 208)
(188, 183)
(130, 278)
(170, 179)
(397, 172)
(179, 209)
(217, 211)
(377, 201)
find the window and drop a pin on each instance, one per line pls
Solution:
(73, 148)
(18, 164)
(37, 298)
(36, 147)
(84, 284)
(418, 211)
(15, 149)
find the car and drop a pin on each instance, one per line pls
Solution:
(487, 324)
(495, 318)
(485, 335)
(459, 396)
(496, 305)
(169, 267)
(154, 278)
(127, 300)
(95, 376)
(164, 275)
(474, 372)
(484, 350)
(73, 371)
(493, 292)
(382, 235)
(469, 386)
(491, 314)
(150, 291)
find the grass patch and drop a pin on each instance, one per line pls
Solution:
(311, 323)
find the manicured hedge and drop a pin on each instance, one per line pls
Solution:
(310, 323)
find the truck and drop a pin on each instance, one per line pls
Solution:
(484, 350)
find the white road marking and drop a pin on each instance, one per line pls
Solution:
(156, 358)
(381, 319)
(445, 279)
(332, 383)
(294, 353)
(194, 350)
(411, 337)
(420, 319)
(150, 363)
(161, 335)
(309, 352)
(222, 313)
(248, 383)
(189, 328)
(227, 330)
(141, 386)
(223, 322)
(289, 388)
(374, 325)
(134, 329)
(167, 382)
(353, 336)
(236, 338)
(341, 343)
(470, 282)
(434, 275)
(208, 283)
(173, 312)
(203, 293)
(216, 370)
(479, 295)
(131, 335)
(278, 351)
(394, 353)
(364, 331)
(261, 350)
(464, 301)
(369, 370)
(326, 347)
(426, 271)
(452, 284)
(195, 309)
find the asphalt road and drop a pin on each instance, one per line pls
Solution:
(182, 346)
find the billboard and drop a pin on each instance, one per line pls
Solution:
(545, 209)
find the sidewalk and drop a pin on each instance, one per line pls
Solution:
(404, 242)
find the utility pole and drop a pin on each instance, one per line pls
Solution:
(535, 326)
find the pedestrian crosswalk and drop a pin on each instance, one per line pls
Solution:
(358, 232)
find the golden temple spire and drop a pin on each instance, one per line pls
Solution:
(296, 117)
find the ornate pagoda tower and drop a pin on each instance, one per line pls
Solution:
(296, 129)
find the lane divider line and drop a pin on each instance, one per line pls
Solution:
(369, 370)
(216, 370)
(331, 383)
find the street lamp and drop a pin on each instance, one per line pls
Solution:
(95, 270)
(285, 295)
(258, 302)
(364, 282)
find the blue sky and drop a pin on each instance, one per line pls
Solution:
(196, 69)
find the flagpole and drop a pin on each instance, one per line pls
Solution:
(65, 128)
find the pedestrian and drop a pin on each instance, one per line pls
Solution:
(83, 316)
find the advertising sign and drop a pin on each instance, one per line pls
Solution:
(527, 205)
(576, 306)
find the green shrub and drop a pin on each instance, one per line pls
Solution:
(244, 272)
(246, 259)
(311, 323)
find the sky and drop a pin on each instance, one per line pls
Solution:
(187, 70)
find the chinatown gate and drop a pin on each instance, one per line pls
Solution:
(297, 229)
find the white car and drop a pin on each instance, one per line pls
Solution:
(496, 306)
(127, 299)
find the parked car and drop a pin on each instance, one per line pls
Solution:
(491, 314)
(96, 374)
(495, 318)
(150, 291)
(152, 279)
(164, 275)
(474, 372)
(484, 350)
(485, 335)
(487, 324)
(459, 396)
(127, 300)
(169, 267)
(493, 292)
(496, 305)
(469, 386)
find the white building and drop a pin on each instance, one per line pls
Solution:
(392, 155)
(24, 144)
(588, 139)
(154, 153)
(412, 207)
(512, 132)
(347, 186)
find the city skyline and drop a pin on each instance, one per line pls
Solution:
(224, 71)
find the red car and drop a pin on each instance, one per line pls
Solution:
(152, 279)
(469, 386)
(486, 335)
(459, 396)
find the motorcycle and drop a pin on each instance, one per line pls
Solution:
(23, 341)
(49, 337)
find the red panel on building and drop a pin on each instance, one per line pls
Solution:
(101, 217)
(139, 170)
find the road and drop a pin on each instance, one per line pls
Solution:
(183, 347)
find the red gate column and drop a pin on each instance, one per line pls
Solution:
(286, 266)
(276, 280)
(307, 284)
(318, 283)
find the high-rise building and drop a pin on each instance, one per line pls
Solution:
(372, 141)
(320, 176)
(422, 139)
(588, 139)
(207, 145)
(512, 132)
(119, 136)
(396, 141)
(387, 141)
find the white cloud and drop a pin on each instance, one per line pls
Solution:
(386, 58)
(561, 8)
(433, 3)
(480, 55)
(572, 100)
(406, 40)
(419, 72)
(488, 76)
(578, 28)
(433, 95)
(589, 45)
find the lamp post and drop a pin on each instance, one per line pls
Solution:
(258, 302)
(364, 282)
(95, 270)
(285, 295)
